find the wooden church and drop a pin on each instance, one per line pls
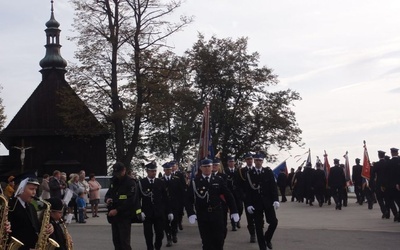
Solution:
(54, 129)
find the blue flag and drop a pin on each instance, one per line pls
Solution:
(277, 170)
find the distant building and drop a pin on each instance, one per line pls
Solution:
(54, 129)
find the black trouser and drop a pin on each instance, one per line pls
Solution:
(337, 194)
(390, 198)
(359, 193)
(320, 194)
(369, 195)
(283, 193)
(250, 222)
(328, 195)
(271, 219)
(344, 197)
(380, 198)
(212, 229)
(171, 227)
(158, 224)
(121, 234)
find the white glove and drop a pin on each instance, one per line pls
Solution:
(170, 217)
(250, 209)
(235, 217)
(192, 219)
(276, 205)
(143, 216)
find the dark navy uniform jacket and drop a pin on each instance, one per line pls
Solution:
(204, 196)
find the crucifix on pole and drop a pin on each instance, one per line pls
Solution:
(22, 149)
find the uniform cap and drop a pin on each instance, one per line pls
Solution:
(259, 156)
(248, 156)
(151, 166)
(394, 150)
(33, 181)
(118, 167)
(231, 158)
(167, 165)
(381, 153)
(336, 160)
(216, 161)
(206, 162)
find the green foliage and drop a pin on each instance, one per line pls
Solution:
(244, 114)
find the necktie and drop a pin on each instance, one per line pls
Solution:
(151, 181)
(258, 171)
(207, 178)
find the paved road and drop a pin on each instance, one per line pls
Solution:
(300, 227)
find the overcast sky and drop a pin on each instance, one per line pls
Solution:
(342, 56)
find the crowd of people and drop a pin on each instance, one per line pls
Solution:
(215, 198)
(59, 200)
(382, 187)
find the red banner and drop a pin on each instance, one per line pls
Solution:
(366, 169)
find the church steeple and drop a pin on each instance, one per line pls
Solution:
(53, 58)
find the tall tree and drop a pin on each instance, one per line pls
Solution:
(245, 111)
(122, 62)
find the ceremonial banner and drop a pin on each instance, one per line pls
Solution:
(277, 170)
(205, 146)
(366, 169)
(327, 167)
(347, 169)
(308, 162)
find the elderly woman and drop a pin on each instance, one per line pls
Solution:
(94, 194)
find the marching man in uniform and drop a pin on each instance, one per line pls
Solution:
(262, 199)
(203, 203)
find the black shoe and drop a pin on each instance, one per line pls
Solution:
(329, 202)
(238, 224)
(269, 245)
(252, 238)
(180, 226)
(311, 204)
(320, 204)
(234, 227)
(169, 244)
(174, 239)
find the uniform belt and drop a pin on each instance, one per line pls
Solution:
(212, 209)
